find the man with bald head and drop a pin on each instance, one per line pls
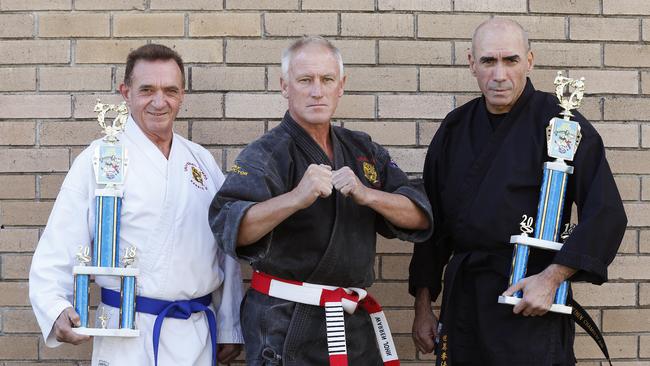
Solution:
(482, 173)
(303, 204)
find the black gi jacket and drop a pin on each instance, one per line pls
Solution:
(332, 242)
(480, 182)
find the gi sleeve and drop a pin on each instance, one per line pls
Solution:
(227, 299)
(50, 277)
(431, 256)
(248, 182)
(601, 218)
(394, 180)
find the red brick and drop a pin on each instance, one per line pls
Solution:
(17, 133)
(15, 267)
(65, 351)
(17, 187)
(13, 294)
(24, 213)
(18, 240)
(17, 78)
(18, 347)
(51, 185)
(19, 321)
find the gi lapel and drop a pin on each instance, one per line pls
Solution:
(305, 142)
(466, 192)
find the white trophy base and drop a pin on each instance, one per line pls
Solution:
(555, 308)
(105, 271)
(535, 243)
(105, 332)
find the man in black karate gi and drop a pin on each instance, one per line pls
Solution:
(482, 173)
(304, 203)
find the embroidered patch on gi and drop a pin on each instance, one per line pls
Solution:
(102, 363)
(369, 171)
(197, 177)
(237, 170)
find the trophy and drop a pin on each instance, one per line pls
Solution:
(563, 137)
(110, 163)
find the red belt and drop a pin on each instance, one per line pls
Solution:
(335, 300)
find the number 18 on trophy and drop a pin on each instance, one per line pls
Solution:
(110, 163)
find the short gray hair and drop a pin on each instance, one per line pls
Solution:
(297, 45)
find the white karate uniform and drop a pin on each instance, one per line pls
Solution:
(165, 215)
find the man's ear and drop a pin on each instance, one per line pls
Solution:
(125, 90)
(342, 87)
(284, 87)
(470, 61)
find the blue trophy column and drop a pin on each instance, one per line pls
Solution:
(547, 226)
(81, 295)
(127, 310)
(106, 247)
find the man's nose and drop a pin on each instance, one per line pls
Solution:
(499, 72)
(158, 100)
(316, 89)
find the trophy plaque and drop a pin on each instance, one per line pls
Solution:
(110, 163)
(563, 137)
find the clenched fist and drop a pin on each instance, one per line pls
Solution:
(315, 183)
(346, 182)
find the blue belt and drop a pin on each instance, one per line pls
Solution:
(168, 309)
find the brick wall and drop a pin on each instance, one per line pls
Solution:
(407, 68)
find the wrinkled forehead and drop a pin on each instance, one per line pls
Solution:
(157, 72)
(314, 58)
(499, 41)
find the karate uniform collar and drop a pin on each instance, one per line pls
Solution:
(306, 142)
(133, 132)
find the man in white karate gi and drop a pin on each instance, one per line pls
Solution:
(169, 186)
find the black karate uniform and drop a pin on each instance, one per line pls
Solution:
(480, 180)
(332, 242)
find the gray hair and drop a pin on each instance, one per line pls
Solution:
(302, 42)
(503, 22)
